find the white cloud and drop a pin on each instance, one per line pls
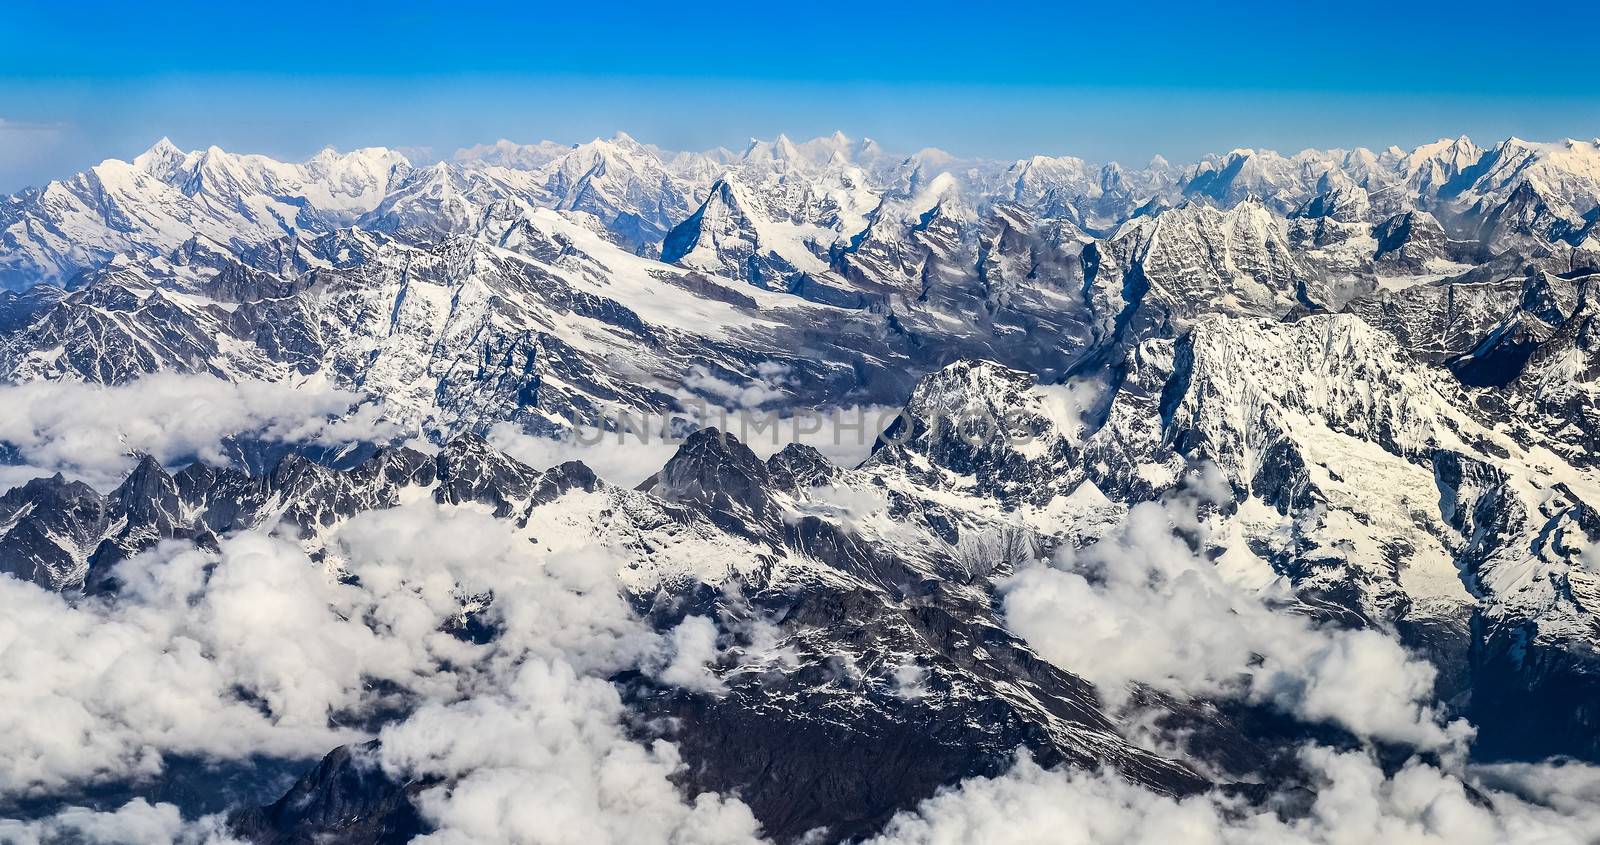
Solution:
(843, 435)
(910, 681)
(631, 454)
(768, 385)
(1067, 403)
(1355, 804)
(1141, 606)
(136, 823)
(546, 761)
(693, 649)
(88, 430)
(850, 506)
(226, 656)
(254, 649)
(622, 459)
(1589, 558)
(258, 650)
(16, 476)
(538, 752)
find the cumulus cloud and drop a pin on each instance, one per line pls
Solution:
(136, 823)
(910, 681)
(421, 562)
(693, 650)
(546, 761)
(257, 649)
(88, 430)
(229, 655)
(1142, 606)
(538, 752)
(1354, 803)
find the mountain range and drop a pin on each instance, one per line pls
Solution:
(807, 494)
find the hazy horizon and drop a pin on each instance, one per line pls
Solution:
(77, 87)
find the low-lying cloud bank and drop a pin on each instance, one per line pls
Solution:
(89, 430)
(631, 454)
(1354, 804)
(136, 823)
(1142, 606)
(259, 650)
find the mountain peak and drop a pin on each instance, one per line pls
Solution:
(779, 149)
(161, 159)
(626, 142)
(714, 469)
(939, 190)
(163, 147)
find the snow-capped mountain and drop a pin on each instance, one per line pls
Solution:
(1172, 472)
(164, 197)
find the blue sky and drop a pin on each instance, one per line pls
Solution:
(84, 81)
